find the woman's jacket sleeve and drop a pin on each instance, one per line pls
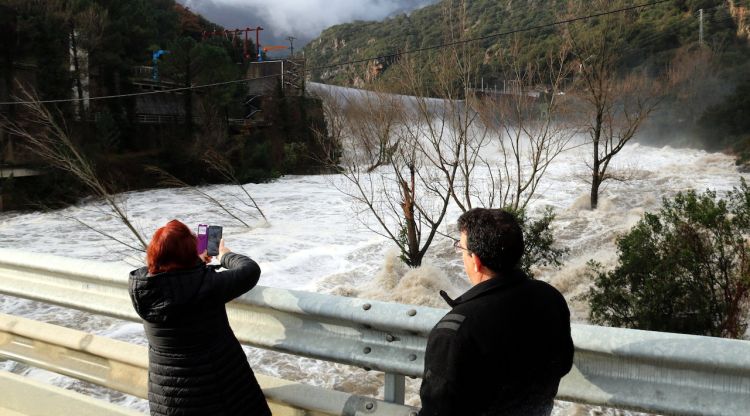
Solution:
(242, 274)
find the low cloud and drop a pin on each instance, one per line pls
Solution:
(304, 19)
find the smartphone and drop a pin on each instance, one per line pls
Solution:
(202, 237)
(214, 237)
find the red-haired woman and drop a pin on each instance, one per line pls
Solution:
(196, 365)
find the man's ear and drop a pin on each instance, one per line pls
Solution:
(477, 262)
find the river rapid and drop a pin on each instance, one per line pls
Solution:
(314, 242)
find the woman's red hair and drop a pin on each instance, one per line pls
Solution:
(173, 247)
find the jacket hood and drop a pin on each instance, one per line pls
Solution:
(157, 297)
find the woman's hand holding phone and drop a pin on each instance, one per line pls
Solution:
(223, 249)
(205, 257)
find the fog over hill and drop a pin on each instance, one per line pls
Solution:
(303, 19)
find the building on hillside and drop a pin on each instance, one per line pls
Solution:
(268, 75)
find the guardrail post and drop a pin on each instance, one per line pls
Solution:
(395, 388)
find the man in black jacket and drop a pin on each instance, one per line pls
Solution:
(506, 343)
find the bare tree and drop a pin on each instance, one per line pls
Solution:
(46, 135)
(385, 170)
(402, 154)
(373, 119)
(417, 142)
(527, 122)
(408, 157)
(613, 106)
(446, 127)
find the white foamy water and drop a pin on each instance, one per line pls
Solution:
(314, 242)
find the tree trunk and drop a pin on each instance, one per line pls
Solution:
(596, 181)
(414, 256)
(77, 71)
(596, 175)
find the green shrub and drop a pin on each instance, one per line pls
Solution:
(685, 269)
(539, 249)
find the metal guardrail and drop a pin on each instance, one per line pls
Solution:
(123, 367)
(22, 396)
(629, 369)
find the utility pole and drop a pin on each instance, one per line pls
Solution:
(291, 45)
(700, 25)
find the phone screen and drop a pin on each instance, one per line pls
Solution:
(202, 238)
(214, 236)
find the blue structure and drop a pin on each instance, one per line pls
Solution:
(155, 60)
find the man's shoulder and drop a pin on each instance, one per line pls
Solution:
(465, 318)
(521, 296)
(542, 288)
(453, 320)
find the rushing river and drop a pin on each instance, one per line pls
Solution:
(313, 242)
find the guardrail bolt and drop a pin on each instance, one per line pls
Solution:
(411, 312)
(412, 357)
(369, 405)
(367, 350)
(366, 306)
(390, 338)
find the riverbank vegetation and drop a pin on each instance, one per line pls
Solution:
(683, 269)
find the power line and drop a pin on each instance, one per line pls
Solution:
(495, 35)
(137, 94)
(393, 55)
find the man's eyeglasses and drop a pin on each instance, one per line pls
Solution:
(459, 248)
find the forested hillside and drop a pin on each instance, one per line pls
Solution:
(656, 33)
(662, 40)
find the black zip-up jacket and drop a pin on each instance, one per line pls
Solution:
(196, 366)
(501, 350)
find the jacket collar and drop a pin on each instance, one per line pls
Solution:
(491, 285)
(143, 274)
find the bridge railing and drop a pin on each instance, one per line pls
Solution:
(629, 369)
(123, 367)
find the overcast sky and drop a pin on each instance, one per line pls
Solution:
(303, 19)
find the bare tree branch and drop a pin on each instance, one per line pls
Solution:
(47, 136)
(171, 180)
(612, 107)
(221, 165)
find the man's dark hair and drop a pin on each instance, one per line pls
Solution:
(494, 235)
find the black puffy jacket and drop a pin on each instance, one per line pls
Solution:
(500, 351)
(196, 364)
